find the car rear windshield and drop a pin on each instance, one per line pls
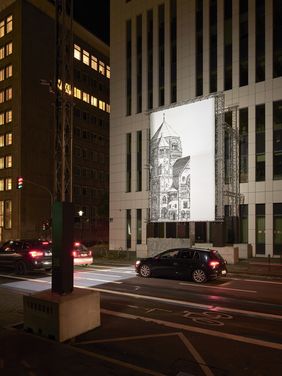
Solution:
(215, 255)
(40, 245)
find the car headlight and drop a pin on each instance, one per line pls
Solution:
(137, 263)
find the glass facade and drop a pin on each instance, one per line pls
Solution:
(277, 40)
(243, 209)
(277, 140)
(161, 49)
(128, 162)
(243, 145)
(139, 62)
(138, 226)
(128, 228)
(139, 162)
(213, 46)
(128, 67)
(227, 44)
(260, 142)
(199, 48)
(260, 229)
(173, 51)
(150, 59)
(243, 42)
(277, 229)
(260, 40)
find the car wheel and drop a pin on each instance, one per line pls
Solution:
(199, 276)
(145, 271)
(21, 268)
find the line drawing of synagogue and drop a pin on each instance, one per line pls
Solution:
(170, 177)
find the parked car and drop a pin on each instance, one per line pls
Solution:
(81, 255)
(26, 255)
(198, 264)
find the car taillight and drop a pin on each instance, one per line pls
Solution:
(36, 253)
(213, 264)
(74, 253)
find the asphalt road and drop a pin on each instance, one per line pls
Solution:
(176, 327)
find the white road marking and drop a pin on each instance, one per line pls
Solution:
(256, 280)
(97, 280)
(217, 287)
(190, 304)
(214, 333)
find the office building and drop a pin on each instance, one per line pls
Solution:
(27, 71)
(168, 52)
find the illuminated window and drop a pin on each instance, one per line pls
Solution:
(9, 116)
(8, 214)
(77, 52)
(9, 49)
(94, 101)
(68, 88)
(85, 57)
(108, 71)
(2, 96)
(102, 105)
(108, 108)
(9, 71)
(94, 63)
(8, 139)
(2, 74)
(8, 184)
(8, 161)
(2, 53)
(9, 94)
(9, 26)
(2, 140)
(2, 118)
(77, 93)
(2, 163)
(101, 68)
(60, 84)
(1, 185)
(2, 212)
(2, 28)
(85, 97)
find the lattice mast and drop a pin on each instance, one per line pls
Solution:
(64, 106)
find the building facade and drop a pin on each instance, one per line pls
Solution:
(168, 52)
(27, 71)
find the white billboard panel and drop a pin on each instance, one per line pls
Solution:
(182, 163)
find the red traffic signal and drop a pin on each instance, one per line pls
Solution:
(19, 183)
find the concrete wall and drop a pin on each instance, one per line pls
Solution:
(157, 245)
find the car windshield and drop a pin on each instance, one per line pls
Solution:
(215, 255)
(79, 247)
(39, 244)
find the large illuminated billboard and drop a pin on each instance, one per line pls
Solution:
(182, 163)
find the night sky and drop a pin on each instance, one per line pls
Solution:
(93, 15)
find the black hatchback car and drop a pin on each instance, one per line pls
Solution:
(198, 264)
(26, 255)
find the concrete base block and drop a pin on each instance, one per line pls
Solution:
(62, 317)
(245, 250)
(230, 254)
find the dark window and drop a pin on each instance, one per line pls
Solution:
(139, 62)
(128, 228)
(199, 47)
(128, 67)
(277, 38)
(213, 46)
(170, 230)
(227, 44)
(150, 58)
(260, 40)
(277, 140)
(173, 49)
(139, 162)
(243, 145)
(260, 142)
(161, 49)
(243, 44)
(243, 223)
(138, 226)
(260, 229)
(277, 229)
(128, 162)
(227, 147)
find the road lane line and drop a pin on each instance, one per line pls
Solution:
(217, 287)
(189, 328)
(196, 355)
(97, 280)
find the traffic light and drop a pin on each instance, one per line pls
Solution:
(19, 183)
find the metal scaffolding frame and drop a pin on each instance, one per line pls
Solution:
(63, 85)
